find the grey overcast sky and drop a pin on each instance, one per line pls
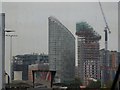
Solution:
(30, 21)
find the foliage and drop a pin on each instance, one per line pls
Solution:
(109, 84)
(94, 84)
(74, 83)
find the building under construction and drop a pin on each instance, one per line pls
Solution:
(88, 52)
(112, 65)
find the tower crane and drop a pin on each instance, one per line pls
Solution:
(106, 28)
(105, 73)
(116, 79)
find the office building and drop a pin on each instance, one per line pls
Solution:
(61, 51)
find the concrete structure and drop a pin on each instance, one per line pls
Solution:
(2, 50)
(40, 78)
(112, 63)
(43, 66)
(17, 75)
(61, 51)
(21, 63)
(88, 52)
(105, 75)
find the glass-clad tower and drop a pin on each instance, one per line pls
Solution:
(61, 51)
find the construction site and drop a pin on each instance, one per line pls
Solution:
(88, 52)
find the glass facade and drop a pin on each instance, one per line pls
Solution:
(61, 51)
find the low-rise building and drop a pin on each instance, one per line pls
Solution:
(42, 66)
(21, 63)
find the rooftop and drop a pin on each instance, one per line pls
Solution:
(83, 29)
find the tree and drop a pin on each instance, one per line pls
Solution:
(109, 84)
(77, 82)
(74, 84)
(94, 84)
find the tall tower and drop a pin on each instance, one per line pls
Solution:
(61, 51)
(88, 52)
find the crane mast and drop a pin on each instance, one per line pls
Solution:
(104, 73)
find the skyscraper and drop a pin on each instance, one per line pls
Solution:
(61, 51)
(88, 52)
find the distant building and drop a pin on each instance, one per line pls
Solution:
(88, 52)
(42, 66)
(61, 51)
(21, 63)
(112, 63)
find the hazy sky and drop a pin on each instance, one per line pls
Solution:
(30, 21)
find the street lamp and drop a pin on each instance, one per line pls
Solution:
(11, 36)
(2, 50)
(9, 30)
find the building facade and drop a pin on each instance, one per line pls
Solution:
(112, 65)
(22, 62)
(61, 51)
(88, 52)
(42, 66)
